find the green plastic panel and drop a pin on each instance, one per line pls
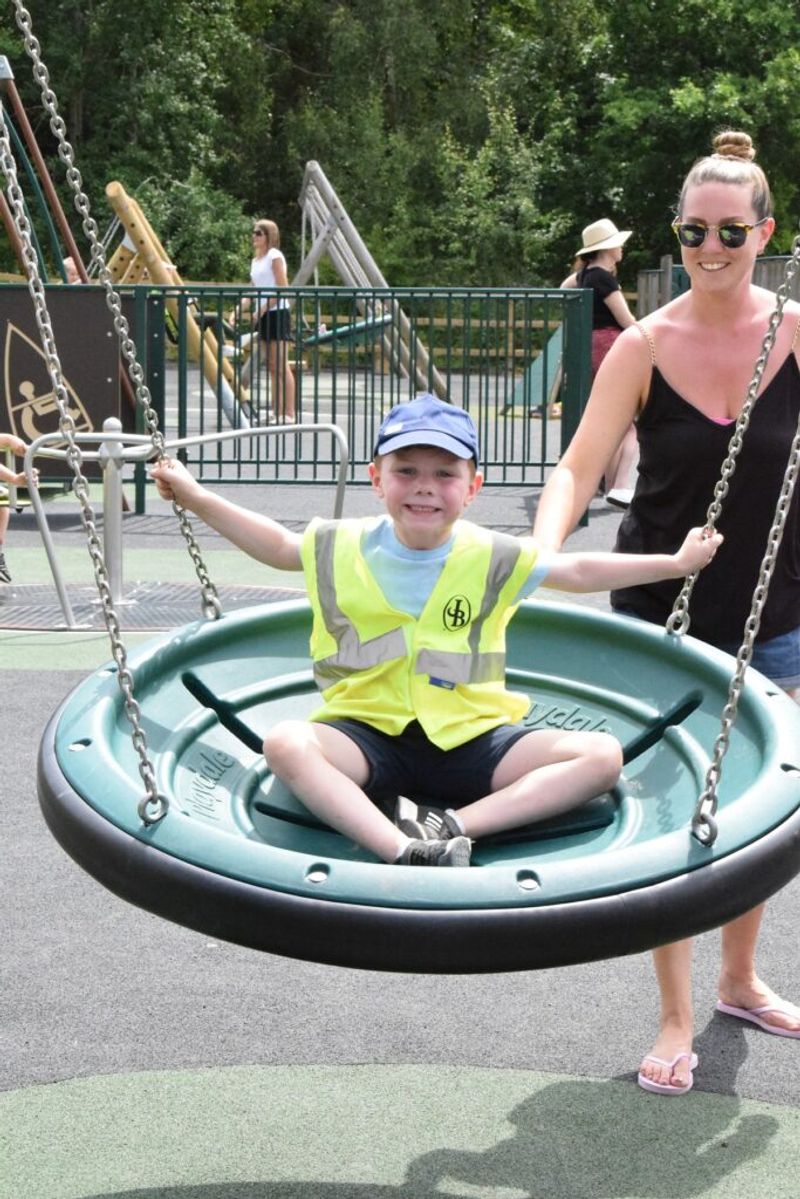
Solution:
(581, 669)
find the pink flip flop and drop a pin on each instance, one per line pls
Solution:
(756, 1016)
(665, 1088)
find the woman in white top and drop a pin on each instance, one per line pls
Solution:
(272, 316)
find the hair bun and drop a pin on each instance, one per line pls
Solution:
(732, 144)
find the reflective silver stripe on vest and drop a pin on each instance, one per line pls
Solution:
(351, 653)
(475, 667)
(461, 668)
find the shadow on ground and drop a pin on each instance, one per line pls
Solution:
(571, 1139)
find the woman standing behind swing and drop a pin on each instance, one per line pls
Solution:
(272, 318)
(683, 374)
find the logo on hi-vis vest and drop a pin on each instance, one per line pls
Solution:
(457, 612)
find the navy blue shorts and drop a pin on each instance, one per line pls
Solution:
(412, 765)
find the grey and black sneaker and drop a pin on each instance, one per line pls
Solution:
(455, 852)
(425, 824)
(5, 574)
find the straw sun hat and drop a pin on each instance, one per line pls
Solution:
(603, 235)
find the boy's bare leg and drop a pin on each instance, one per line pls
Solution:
(547, 772)
(326, 770)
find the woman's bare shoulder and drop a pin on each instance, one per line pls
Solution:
(634, 343)
(669, 316)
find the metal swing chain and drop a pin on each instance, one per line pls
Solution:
(153, 806)
(210, 604)
(704, 825)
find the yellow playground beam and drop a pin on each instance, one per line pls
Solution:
(148, 254)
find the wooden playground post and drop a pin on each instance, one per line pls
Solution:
(151, 254)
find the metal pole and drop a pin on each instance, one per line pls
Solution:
(111, 459)
(12, 487)
(44, 530)
(10, 88)
(665, 280)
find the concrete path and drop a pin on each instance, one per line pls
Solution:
(141, 1060)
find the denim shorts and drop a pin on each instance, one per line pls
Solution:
(411, 765)
(777, 659)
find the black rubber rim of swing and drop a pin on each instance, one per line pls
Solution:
(449, 941)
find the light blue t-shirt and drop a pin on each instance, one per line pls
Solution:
(407, 577)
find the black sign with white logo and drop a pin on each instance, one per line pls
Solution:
(88, 353)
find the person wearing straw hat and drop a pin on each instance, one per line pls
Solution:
(596, 268)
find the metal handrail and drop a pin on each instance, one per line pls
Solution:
(137, 448)
(11, 487)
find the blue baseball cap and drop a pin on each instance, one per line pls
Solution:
(428, 421)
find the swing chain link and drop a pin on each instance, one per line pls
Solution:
(210, 603)
(153, 806)
(704, 825)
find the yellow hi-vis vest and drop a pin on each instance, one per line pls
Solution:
(445, 669)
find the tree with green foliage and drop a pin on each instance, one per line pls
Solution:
(146, 101)
(470, 140)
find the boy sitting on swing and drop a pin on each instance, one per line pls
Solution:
(408, 645)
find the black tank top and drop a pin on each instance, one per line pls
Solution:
(681, 453)
(603, 284)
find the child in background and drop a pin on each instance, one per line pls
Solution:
(16, 478)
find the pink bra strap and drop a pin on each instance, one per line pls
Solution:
(794, 339)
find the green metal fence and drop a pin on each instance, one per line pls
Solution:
(517, 360)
